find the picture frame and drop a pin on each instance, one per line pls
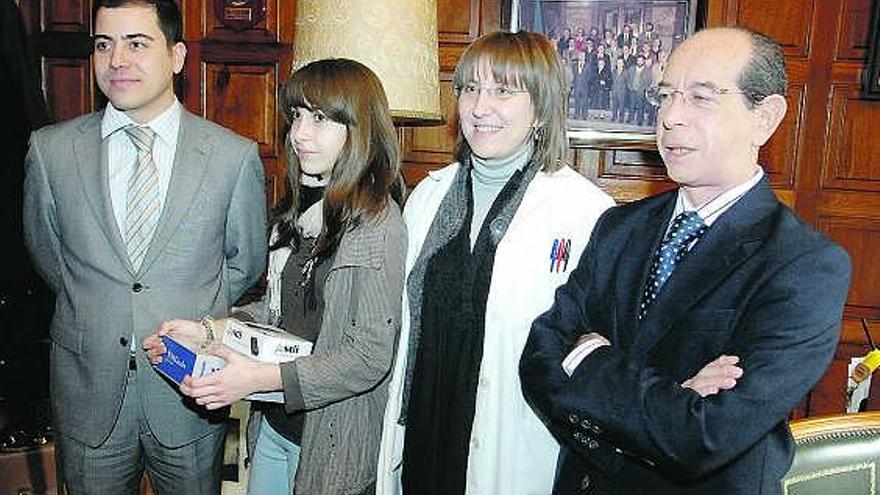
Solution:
(871, 74)
(608, 45)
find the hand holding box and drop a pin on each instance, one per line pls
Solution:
(266, 344)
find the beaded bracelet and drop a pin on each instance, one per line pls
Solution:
(208, 324)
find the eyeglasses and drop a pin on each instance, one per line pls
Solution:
(499, 92)
(701, 96)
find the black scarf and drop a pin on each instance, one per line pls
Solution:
(446, 346)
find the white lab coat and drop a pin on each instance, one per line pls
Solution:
(511, 452)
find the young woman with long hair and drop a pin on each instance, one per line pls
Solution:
(335, 277)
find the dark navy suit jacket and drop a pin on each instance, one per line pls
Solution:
(760, 284)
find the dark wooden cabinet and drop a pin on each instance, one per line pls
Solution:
(234, 76)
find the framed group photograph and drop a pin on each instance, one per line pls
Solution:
(614, 50)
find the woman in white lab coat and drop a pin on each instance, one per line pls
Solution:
(490, 238)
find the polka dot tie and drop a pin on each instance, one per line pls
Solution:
(686, 228)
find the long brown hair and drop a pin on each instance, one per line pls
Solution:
(367, 170)
(529, 61)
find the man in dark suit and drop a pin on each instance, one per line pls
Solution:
(648, 35)
(697, 319)
(626, 37)
(581, 82)
(136, 214)
(619, 91)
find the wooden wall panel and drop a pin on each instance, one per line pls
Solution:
(633, 164)
(67, 16)
(68, 84)
(780, 155)
(234, 77)
(457, 18)
(62, 39)
(625, 174)
(429, 148)
(853, 155)
(849, 204)
(241, 97)
(787, 21)
(267, 30)
(854, 19)
(861, 236)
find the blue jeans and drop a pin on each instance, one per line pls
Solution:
(274, 462)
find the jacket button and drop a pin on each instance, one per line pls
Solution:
(123, 341)
(573, 418)
(592, 444)
(585, 483)
(137, 287)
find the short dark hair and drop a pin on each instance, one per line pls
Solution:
(167, 11)
(764, 73)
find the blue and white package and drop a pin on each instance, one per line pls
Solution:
(179, 361)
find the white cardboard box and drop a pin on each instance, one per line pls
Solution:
(266, 344)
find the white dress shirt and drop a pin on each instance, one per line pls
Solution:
(123, 154)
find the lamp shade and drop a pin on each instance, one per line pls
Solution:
(397, 39)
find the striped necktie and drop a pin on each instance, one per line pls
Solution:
(687, 227)
(142, 205)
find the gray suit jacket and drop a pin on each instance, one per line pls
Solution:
(209, 247)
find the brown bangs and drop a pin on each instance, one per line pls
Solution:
(508, 59)
(319, 90)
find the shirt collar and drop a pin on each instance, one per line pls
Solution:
(711, 210)
(165, 124)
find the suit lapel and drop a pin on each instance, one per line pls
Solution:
(187, 173)
(94, 173)
(732, 239)
(633, 271)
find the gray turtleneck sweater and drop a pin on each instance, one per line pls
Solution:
(488, 179)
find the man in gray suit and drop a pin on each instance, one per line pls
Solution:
(638, 80)
(136, 214)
